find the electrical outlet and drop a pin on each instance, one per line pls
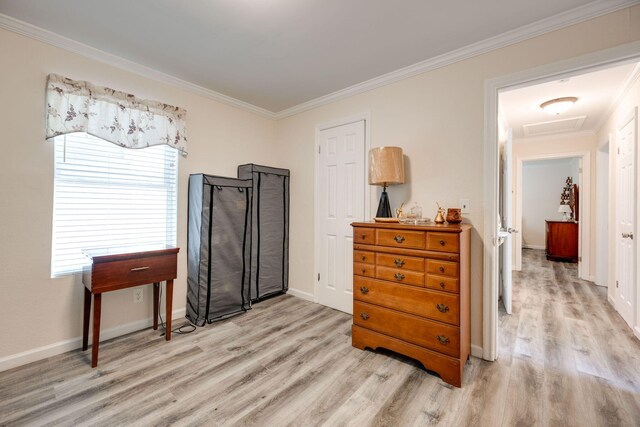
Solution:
(464, 205)
(138, 295)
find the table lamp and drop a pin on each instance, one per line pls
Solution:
(386, 167)
(565, 210)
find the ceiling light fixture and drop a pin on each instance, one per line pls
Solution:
(558, 105)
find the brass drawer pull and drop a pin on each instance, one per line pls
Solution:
(364, 270)
(364, 290)
(442, 308)
(441, 269)
(364, 236)
(364, 258)
(399, 238)
(442, 339)
(139, 268)
(442, 285)
(399, 276)
(441, 242)
(399, 262)
(364, 316)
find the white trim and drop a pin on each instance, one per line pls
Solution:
(366, 116)
(537, 247)
(555, 136)
(571, 17)
(543, 26)
(612, 301)
(626, 87)
(307, 296)
(584, 240)
(476, 351)
(46, 36)
(636, 332)
(590, 62)
(593, 279)
(19, 359)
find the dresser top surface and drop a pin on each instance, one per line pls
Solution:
(117, 253)
(447, 228)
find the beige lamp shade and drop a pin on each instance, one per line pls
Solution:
(386, 166)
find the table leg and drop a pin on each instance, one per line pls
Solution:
(97, 305)
(169, 304)
(156, 297)
(85, 320)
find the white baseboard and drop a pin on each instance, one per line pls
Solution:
(611, 301)
(539, 247)
(19, 359)
(476, 351)
(301, 294)
(636, 332)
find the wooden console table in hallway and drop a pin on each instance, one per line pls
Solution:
(112, 269)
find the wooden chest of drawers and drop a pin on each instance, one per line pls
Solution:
(411, 293)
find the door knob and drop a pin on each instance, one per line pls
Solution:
(627, 235)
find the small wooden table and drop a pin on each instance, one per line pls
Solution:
(125, 267)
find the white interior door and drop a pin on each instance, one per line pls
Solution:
(625, 221)
(341, 201)
(507, 224)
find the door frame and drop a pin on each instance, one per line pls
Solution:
(584, 225)
(366, 116)
(617, 55)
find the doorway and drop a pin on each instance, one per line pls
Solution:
(544, 74)
(341, 198)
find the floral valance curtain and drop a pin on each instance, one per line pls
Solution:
(117, 117)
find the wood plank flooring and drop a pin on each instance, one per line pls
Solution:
(566, 358)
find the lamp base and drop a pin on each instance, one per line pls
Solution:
(384, 209)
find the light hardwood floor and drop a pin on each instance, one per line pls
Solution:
(566, 359)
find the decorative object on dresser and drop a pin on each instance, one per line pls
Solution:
(565, 210)
(112, 269)
(269, 230)
(411, 293)
(439, 219)
(454, 216)
(386, 167)
(562, 241)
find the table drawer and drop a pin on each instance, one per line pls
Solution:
(442, 283)
(416, 330)
(364, 256)
(442, 268)
(439, 306)
(400, 276)
(364, 235)
(122, 274)
(443, 242)
(362, 269)
(400, 261)
(401, 238)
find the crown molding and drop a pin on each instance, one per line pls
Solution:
(571, 17)
(626, 87)
(555, 136)
(23, 28)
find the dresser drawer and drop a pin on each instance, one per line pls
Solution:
(413, 329)
(443, 242)
(364, 235)
(364, 256)
(400, 261)
(122, 274)
(362, 269)
(409, 299)
(400, 276)
(442, 268)
(442, 283)
(401, 238)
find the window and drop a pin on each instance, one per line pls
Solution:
(106, 195)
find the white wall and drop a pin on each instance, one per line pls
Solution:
(602, 215)
(437, 118)
(542, 184)
(629, 103)
(36, 310)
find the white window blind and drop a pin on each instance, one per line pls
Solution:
(106, 195)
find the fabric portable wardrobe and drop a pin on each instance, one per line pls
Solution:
(269, 229)
(218, 247)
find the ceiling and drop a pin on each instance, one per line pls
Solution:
(597, 93)
(276, 54)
